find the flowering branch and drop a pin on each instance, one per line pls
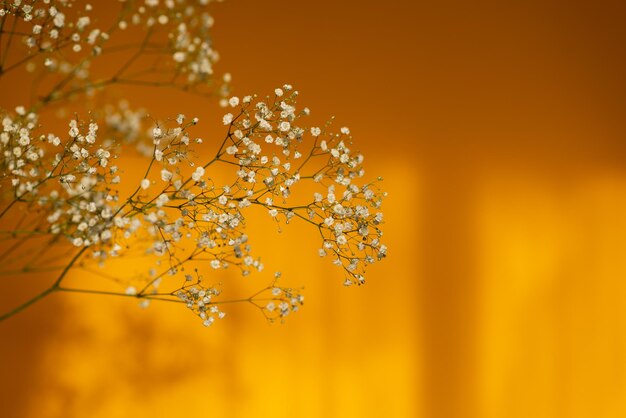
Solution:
(64, 191)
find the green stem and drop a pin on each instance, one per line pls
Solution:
(8, 207)
(27, 303)
(55, 287)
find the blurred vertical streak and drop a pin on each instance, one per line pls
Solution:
(449, 292)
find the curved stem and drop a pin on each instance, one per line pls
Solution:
(55, 287)
(27, 303)
(67, 268)
(8, 207)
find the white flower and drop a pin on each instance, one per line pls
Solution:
(131, 291)
(82, 22)
(162, 200)
(59, 20)
(316, 131)
(233, 101)
(338, 209)
(215, 264)
(166, 175)
(345, 131)
(265, 125)
(198, 174)
(284, 126)
(227, 119)
(145, 183)
(179, 56)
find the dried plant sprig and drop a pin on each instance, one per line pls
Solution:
(63, 43)
(178, 216)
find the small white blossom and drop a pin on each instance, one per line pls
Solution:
(166, 175)
(162, 200)
(59, 20)
(233, 101)
(198, 174)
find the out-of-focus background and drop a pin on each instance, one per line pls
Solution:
(500, 130)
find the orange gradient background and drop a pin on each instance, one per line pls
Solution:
(500, 130)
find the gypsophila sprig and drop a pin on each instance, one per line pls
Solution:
(64, 41)
(184, 221)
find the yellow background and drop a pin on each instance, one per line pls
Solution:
(499, 129)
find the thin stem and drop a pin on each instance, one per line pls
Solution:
(157, 297)
(67, 268)
(108, 293)
(2, 31)
(29, 270)
(55, 287)
(28, 303)
(8, 207)
(9, 41)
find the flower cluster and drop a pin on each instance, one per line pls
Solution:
(200, 300)
(277, 302)
(266, 142)
(273, 301)
(63, 39)
(187, 24)
(266, 145)
(180, 215)
(53, 25)
(69, 179)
